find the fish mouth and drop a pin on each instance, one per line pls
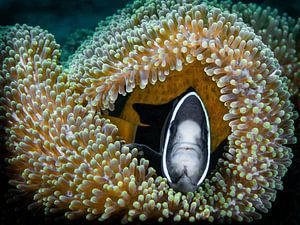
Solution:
(179, 148)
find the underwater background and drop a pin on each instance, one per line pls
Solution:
(71, 22)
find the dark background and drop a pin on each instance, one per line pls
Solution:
(63, 18)
(59, 17)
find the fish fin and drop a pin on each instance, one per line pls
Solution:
(148, 153)
(126, 129)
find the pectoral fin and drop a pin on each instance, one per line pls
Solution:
(149, 154)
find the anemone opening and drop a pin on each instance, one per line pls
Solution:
(162, 94)
(153, 118)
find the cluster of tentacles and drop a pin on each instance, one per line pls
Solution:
(241, 59)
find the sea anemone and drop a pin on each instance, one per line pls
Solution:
(73, 159)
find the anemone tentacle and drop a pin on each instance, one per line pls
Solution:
(64, 152)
